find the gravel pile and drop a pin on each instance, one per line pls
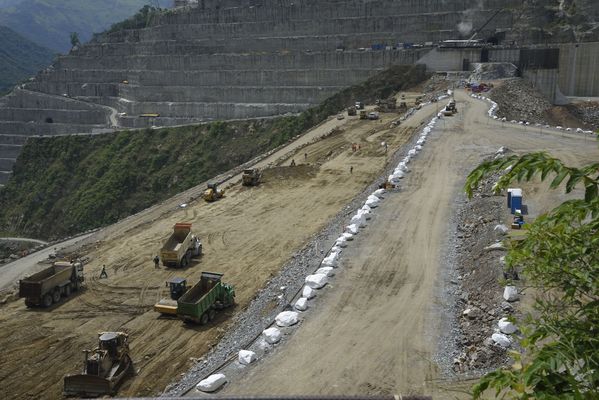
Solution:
(518, 100)
(491, 71)
(472, 293)
(587, 112)
(280, 290)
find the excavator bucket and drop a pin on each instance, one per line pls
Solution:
(84, 385)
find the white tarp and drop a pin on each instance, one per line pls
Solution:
(272, 335)
(501, 340)
(308, 292)
(328, 271)
(212, 383)
(246, 357)
(501, 228)
(316, 281)
(379, 193)
(287, 318)
(301, 304)
(506, 326)
(510, 293)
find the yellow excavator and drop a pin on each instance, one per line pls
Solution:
(213, 193)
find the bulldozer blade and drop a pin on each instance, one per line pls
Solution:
(166, 307)
(83, 385)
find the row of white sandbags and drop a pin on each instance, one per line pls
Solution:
(493, 110)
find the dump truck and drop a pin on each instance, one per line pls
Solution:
(213, 193)
(177, 288)
(251, 177)
(104, 368)
(199, 304)
(351, 111)
(363, 114)
(180, 247)
(48, 286)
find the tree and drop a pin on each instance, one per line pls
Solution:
(560, 258)
(75, 39)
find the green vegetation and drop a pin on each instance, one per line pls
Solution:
(50, 22)
(19, 58)
(65, 185)
(560, 258)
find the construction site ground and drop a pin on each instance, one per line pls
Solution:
(374, 330)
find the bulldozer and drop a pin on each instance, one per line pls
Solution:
(251, 177)
(213, 193)
(177, 288)
(104, 367)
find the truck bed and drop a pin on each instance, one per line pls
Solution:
(39, 283)
(195, 294)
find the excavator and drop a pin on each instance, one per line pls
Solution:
(213, 193)
(103, 369)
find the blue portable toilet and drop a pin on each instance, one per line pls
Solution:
(509, 197)
(516, 200)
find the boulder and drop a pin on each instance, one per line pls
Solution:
(272, 335)
(212, 383)
(506, 326)
(287, 318)
(301, 304)
(246, 357)
(510, 293)
(316, 281)
(501, 340)
(308, 292)
(328, 271)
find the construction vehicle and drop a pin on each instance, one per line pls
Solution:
(199, 304)
(251, 177)
(359, 105)
(213, 193)
(351, 111)
(451, 107)
(373, 115)
(180, 247)
(177, 288)
(48, 286)
(363, 114)
(103, 369)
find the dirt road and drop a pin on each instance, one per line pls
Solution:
(374, 330)
(248, 236)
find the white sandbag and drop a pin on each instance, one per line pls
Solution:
(418, 147)
(510, 293)
(372, 203)
(394, 180)
(501, 340)
(316, 281)
(426, 130)
(412, 152)
(398, 173)
(308, 292)
(212, 383)
(328, 271)
(506, 326)
(501, 228)
(421, 141)
(287, 318)
(330, 260)
(406, 160)
(246, 357)
(348, 236)
(272, 335)
(336, 249)
(379, 193)
(301, 304)
(341, 242)
(352, 228)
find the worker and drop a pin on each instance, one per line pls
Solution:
(156, 261)
(351, 169)
(292, 162)
(103, 274)
(305, 156)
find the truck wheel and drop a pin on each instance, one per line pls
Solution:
(47, 300)
(56, 295)
(204, 319)
(67, 290)
(29, 304)
(211, 314)
(183, 262)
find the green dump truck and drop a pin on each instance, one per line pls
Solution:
(180, 247)
(199, 304)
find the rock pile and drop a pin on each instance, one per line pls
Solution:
(518, 100)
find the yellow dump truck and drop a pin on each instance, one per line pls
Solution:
(180, 247)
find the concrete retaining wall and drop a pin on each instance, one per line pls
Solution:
(579, 69)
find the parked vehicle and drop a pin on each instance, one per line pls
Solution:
(180, 247)
(49, 285)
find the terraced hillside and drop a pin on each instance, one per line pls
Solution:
(228, 60)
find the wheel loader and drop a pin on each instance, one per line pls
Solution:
(213, 193)
(104, 368)
(251, 177)
(177, 288)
